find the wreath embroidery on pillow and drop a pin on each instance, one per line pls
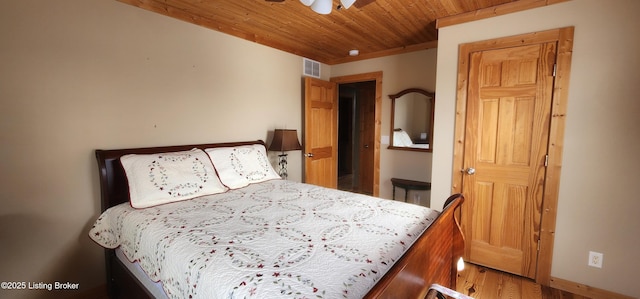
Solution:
(159, 176)
(249, 171)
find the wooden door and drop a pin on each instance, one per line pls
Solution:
(367, 113)
(320, 133)
(505, 154)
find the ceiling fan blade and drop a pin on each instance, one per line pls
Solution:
(362, 3)
(274, 0)
(346, 3)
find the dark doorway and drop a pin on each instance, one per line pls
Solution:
(356, 123)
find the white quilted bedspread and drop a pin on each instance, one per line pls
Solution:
(275, 239)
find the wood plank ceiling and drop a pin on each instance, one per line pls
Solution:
(375, 28)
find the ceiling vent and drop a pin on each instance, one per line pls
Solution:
(311, 68)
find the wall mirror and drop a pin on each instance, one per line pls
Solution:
(412, 120)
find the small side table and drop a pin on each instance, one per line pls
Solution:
(408, 185)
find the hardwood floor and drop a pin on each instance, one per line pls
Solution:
(484, 283)
(345, 182)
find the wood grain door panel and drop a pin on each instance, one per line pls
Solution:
(508, 116)
(321, 133)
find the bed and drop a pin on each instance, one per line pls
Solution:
(406, 268)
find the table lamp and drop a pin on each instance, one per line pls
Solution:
(284, 140)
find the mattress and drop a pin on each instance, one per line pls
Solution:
(274, 239)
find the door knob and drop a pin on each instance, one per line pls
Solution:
(470, 171)
(310, 155)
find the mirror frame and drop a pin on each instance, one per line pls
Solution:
(393, 97)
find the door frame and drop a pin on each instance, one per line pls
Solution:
(564, 39)
(373, 76)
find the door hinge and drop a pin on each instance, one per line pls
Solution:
(555, 68)
(546, 160)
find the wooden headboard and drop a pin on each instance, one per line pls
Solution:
(114, 188)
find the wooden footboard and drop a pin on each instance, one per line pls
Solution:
(431, 259)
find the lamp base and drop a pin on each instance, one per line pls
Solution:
(282, 162)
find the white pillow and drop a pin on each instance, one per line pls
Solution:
(401, 138)
(240, 166)
(168, 177)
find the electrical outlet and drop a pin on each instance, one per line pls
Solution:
(595, 259)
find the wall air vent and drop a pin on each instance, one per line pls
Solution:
(310, 68)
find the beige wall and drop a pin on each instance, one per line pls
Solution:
(77, 75)
(598, 208)
(415, 69)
